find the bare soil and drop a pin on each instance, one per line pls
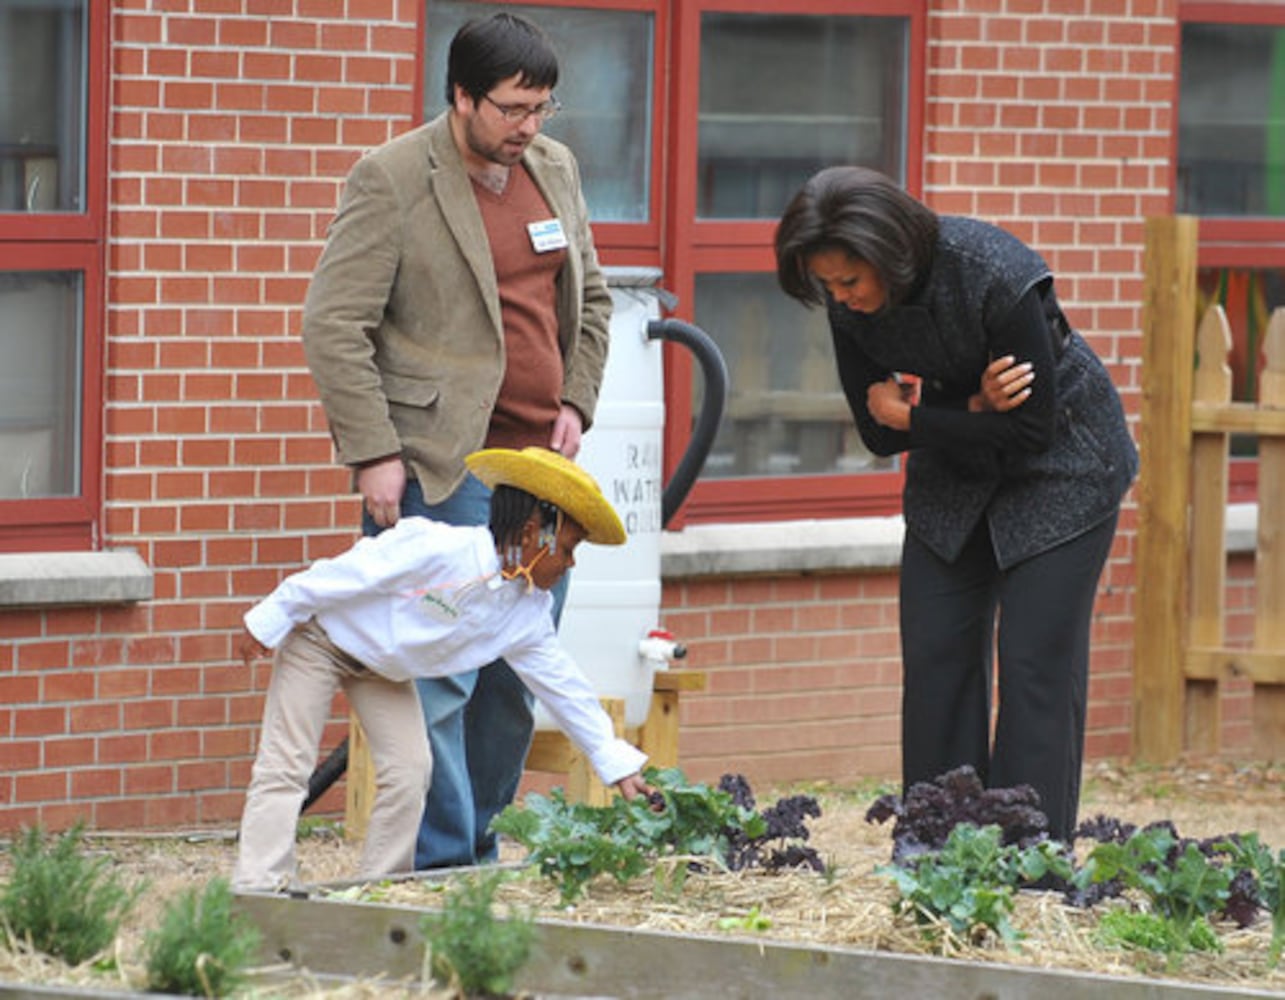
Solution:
(851, 906)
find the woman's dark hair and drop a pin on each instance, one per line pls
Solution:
(487, 50)
(864, 213)
(511, 508)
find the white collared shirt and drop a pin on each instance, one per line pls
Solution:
(425, 599)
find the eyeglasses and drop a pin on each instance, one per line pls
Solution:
(516, 114)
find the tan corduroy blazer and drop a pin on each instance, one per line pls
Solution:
(401, 324)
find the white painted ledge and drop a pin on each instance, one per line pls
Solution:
(860, 543)
(850, 544)
(40, 579)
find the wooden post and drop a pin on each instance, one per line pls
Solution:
(1208, 564)
(658, 735)
(359, 790)
(1269, 617)
(1165, 436)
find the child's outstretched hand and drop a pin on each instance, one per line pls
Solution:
(251, 648)
(633, 786)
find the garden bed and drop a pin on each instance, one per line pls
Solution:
(846, 911)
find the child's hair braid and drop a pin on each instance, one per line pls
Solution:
(511, 509)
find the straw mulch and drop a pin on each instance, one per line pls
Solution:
(850, 906)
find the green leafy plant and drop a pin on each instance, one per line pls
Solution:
(469, 947)
(1178, 880)
(1124, 928)
(1248, 853)
(60, 900)
(201, 946)
(968, 885)
(572, 843)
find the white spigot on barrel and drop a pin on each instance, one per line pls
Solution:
(660, 649)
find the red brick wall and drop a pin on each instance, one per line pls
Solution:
(232, 125)
(804, 678)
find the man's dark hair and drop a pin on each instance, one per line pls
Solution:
(511, 509)
(867, 215)
(487, 50)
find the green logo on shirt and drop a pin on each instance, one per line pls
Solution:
(439, 607)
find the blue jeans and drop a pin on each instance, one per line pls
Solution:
(479, 722)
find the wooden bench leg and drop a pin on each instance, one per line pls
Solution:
(658, 735)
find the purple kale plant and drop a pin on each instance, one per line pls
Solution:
(929, 811)
(778, 847)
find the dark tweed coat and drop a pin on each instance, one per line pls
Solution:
(945, 333)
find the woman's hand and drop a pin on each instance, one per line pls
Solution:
(889, 402)
(1006, 385)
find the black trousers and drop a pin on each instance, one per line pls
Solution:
(1044, 609)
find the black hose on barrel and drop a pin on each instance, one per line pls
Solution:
(713, 402)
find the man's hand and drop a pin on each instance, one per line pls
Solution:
(381, 485)
(567, 430)
(251, 648)
(1006, 385)
(633, 786)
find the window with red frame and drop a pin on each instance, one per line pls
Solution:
(52, 182)
(766, 95)
(1230, 171)
(694, 121)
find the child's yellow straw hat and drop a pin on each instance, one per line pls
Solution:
(548, 476)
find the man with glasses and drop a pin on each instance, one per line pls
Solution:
(457, 305)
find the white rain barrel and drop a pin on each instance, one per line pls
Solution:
(614, 597)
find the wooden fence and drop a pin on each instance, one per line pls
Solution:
(1181, 655)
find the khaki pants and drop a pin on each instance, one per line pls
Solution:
(307, 671)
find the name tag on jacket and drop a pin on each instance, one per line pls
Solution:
(547, 235)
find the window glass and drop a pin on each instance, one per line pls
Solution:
(783, 95)
(786, 414)
(42, 105)
(1231, 123)
(40, 384)
(604, 84)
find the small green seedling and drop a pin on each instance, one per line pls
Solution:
(59, 900)
(469, 947)
(201, 947)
